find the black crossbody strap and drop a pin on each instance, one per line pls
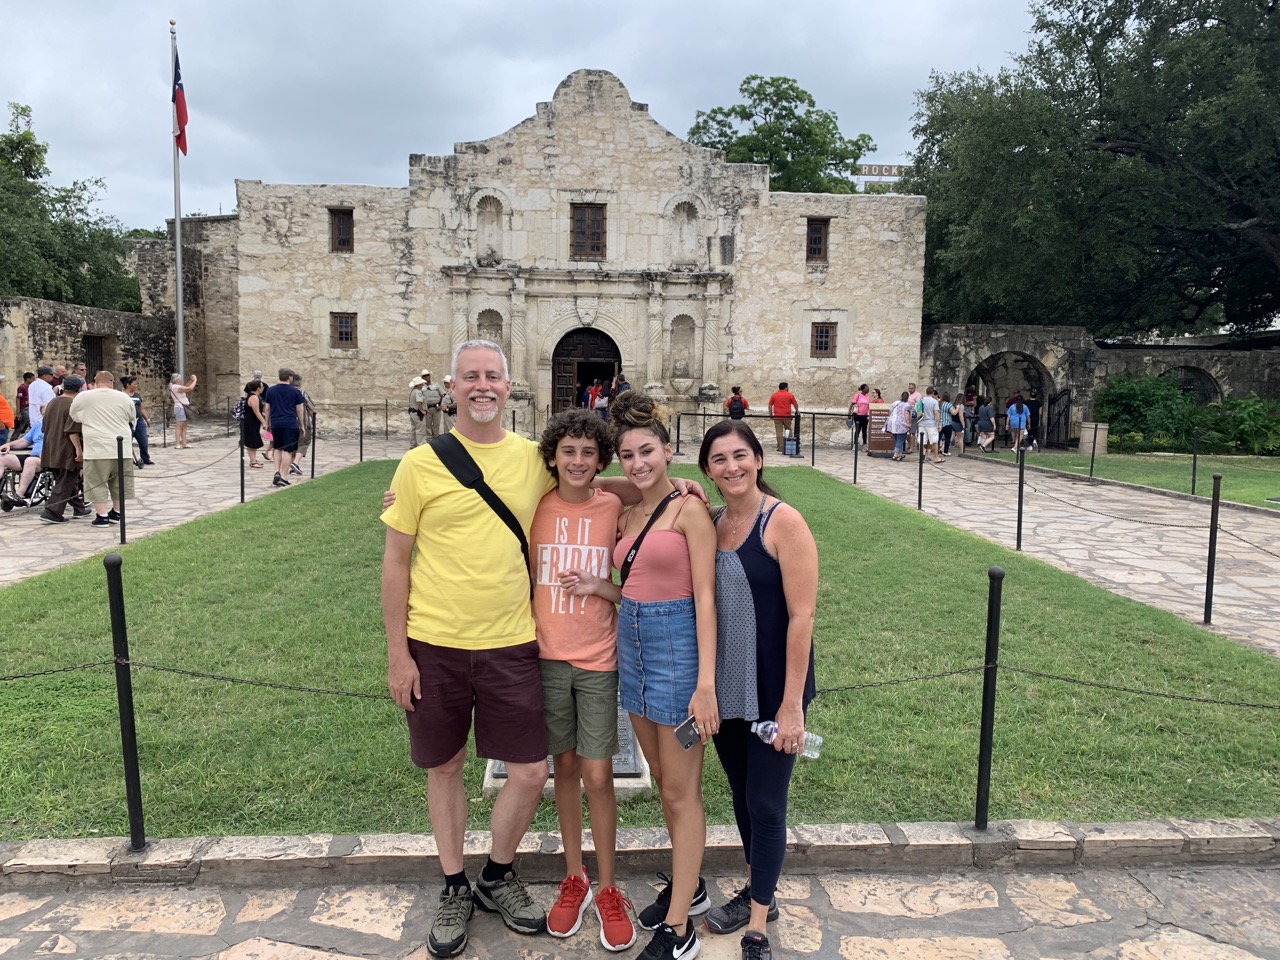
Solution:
(467, 472)
(625, 570)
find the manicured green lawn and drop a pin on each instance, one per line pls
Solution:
(1244, 479)
(286, 589)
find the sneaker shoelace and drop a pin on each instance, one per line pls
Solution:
(573, 890)
(514, 893)
(453, 907)
(753, 948)
(740, 899)
(612, 905)
(664, 895)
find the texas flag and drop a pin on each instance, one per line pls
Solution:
(179, 107)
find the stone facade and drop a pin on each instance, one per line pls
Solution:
(1008, 358)
(701, 279)
(33, 332)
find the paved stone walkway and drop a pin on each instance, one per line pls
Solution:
(1152, 913)
(183, 485)
(1143, 545)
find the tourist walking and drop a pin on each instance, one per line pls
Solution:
(253, 421)
(766, 595)
(104, 414)
(286, 409)
(783, 406)
(1018, 417)
(63, 454)
(898, 423)
(985, 425)
(928, 419)
(860, 410)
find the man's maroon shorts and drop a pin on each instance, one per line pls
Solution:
(503, 686)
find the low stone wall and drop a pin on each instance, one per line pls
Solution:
(33, 332)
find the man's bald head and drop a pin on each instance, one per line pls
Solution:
(104, 378)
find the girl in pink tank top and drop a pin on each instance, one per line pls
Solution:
(667, 651)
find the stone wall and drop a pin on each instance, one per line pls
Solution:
(33, 332)
(871, 287)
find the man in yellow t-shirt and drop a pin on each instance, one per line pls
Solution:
(461, 639)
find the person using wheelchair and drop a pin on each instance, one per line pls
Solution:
(26, 465)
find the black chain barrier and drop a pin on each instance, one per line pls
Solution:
(201, 675)
(1249, 542)
(897, 680)
(187, 473)
(1139, 692)
(52, 670)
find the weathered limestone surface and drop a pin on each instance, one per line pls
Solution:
(704, 279)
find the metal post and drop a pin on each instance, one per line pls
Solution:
(247, 412)
(120, 480)
(314, 444)
(164, 429)
(1022, 477)
(920, 478)
(1213, 549)
(386, 421)
(513, 421)
(1195, 456)
(1094, 452)
(990, 667)
(855, 464)
(678, 417)
(124, 700)
(813, 439)
(362, 433)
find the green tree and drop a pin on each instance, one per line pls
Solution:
(780, 124)
(54, 243)
(1124, 175)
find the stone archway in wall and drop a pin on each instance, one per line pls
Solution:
(1197, 382)
(1003, 374)
(581, 356)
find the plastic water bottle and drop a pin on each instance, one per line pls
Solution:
(766, 730)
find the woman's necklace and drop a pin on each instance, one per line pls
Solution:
(734, 525)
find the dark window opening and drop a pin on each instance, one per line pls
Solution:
(341, 228)
(816, 242)
(822, 340)
(588, 241)
(342, 331)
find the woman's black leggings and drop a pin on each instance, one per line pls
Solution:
(859, 430)
(759, 778)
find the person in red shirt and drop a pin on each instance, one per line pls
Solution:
(782, 404)
(23, 419)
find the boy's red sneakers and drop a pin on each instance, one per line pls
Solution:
(571, 903)
(617, 931)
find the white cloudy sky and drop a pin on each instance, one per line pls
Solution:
(322, 91)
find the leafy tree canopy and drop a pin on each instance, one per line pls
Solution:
(781, 125)
(54, 243)
(1124, 175)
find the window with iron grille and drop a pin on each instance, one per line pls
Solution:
(816, 241)
(588, 241)
(822, 340)
(341, 227)
(342, 331)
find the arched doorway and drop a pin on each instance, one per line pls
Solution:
(1003, 375)
(581, 356)
(1197, 382)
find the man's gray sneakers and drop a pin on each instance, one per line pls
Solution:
(448, 935)
(510, 898)
(735, 914)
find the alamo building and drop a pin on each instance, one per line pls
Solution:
(585, 239)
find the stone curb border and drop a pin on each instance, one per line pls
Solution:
(914, 847)
(1137, 487)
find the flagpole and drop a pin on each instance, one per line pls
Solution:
(177, 214)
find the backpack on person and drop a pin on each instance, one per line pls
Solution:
(736, 407)
(237, 412)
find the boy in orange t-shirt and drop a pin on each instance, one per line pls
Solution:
(573, 532)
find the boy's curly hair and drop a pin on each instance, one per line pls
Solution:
(633, 410)
(575, 423)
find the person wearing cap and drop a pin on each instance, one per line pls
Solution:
(6, 414)
(63, 455)
(448, 405)
(417, 413)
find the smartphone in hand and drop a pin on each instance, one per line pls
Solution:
(687, 734)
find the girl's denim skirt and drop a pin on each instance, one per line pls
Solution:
(657, 659)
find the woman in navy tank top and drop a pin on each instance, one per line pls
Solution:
(766, 593)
